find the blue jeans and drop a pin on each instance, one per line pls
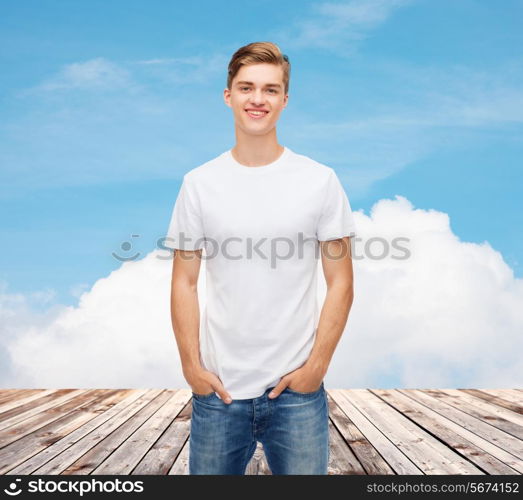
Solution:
(293, 429)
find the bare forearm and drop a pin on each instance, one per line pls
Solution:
(333, 318)
(185, 318)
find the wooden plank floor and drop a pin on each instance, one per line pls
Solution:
(372, 431)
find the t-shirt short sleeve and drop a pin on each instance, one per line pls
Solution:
(185, 230)
(336, 219)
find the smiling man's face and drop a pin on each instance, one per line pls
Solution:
(257, 97)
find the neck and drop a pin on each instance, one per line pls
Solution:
(256, 150)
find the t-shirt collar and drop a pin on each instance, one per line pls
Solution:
(269, 167)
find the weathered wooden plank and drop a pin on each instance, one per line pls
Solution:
(494, 400)
(14, 416)
(429, 454)
(439, 426)
(55, 441)
(162, 454)
(102, 449)
(23, 449)
(129, 453)
(41, 418)
(371, 461)
(507, 396)
(181, 464)
(12, 394)
(371, 431)
(20, 398)
(83, 442)
(489, 409)
(500, 439)
(398, 461)
(258, 463)
(515, 392)
(483, 415)
(342, 460)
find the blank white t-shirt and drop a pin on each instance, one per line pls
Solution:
(259, 229)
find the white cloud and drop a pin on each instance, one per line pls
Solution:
(448, 316)
(96, 73)
(182, 70)
(335, 26)
(78, 289)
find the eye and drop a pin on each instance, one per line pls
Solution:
(274, 91)
(243, 88)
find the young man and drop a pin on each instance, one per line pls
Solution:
(262, 212)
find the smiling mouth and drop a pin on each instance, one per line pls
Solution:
(256, 115)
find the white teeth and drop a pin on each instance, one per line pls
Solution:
(257, 113)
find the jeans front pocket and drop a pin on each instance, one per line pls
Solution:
(203, 396)
(305, 393)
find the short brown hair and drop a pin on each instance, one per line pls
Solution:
(256, 53)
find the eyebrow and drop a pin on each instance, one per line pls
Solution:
(243, 82)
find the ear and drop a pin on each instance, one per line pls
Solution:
(227, 97)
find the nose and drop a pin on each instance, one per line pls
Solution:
(257, 97)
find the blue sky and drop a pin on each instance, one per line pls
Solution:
(105, 105)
